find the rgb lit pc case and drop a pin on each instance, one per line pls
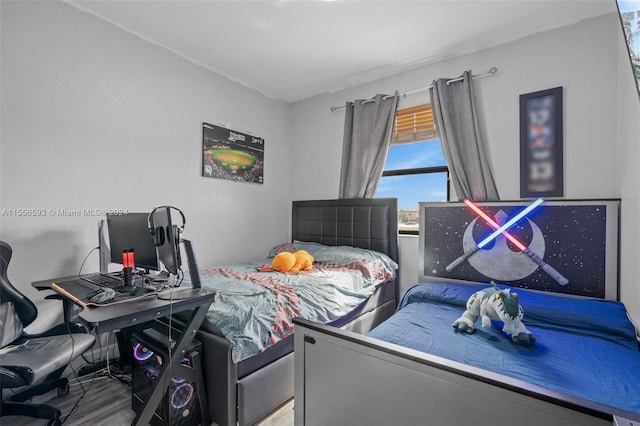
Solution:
(185, 401)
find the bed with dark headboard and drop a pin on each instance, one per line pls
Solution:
(246, 390)
(583, 368)
(366, 223)
(370, 223)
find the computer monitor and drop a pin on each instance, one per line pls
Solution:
(168, 242)
(166, 235)
(129, 231)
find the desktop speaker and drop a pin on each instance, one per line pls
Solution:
(185, 402)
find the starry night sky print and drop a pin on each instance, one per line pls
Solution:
(574, 237)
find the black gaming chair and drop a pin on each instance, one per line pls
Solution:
(34, 363)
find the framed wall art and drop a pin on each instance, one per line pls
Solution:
(232, 155)
(541, 144)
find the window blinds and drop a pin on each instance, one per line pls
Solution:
(413, 124)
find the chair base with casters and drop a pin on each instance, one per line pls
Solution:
(31, 365)
(38, 411)
(15, 404)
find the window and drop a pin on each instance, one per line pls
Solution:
(416, 169)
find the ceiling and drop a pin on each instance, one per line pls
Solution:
(294, 49)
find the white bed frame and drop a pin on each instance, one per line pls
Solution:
(344, 378)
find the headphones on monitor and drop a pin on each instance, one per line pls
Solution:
(159, 234)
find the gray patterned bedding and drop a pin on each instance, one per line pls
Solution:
(255, 310)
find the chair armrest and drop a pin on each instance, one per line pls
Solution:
(67, 306)
(54, 296)
(11, 379)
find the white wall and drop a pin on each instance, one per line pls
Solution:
(95, 117)
(600, 124)
(582, 58)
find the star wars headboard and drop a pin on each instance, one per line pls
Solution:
(563, 246)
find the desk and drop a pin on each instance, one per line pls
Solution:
(139, 311)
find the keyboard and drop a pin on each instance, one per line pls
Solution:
(103, 280)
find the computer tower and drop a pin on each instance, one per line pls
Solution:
(185, 401)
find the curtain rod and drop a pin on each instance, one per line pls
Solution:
(493, 70)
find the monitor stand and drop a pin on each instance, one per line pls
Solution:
(104, 254)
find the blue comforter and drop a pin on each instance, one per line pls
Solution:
(584, 347)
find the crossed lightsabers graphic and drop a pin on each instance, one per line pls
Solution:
(561, 279)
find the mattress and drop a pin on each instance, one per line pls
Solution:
(585, 347)
(255, 309)
(384, 293)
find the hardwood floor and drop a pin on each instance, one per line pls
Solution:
(107, 401)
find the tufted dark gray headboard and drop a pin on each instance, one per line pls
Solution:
(370, 223)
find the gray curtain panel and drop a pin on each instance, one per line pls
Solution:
(456, 121)
(367, 135)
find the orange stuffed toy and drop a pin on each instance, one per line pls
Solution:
(283, 262)
(292, 262)
(304, 261)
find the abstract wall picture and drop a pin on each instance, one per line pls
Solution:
(232, 155)
(541, 144)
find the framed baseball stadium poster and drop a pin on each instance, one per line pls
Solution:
(232, 155)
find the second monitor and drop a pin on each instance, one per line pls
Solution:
(129, 231)
(166, 237)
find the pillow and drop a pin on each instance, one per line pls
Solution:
(604, 318)
(322, 253)
(280, 248)
(441, 292)
(373, 264)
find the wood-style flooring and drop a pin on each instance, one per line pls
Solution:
(107, 401)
